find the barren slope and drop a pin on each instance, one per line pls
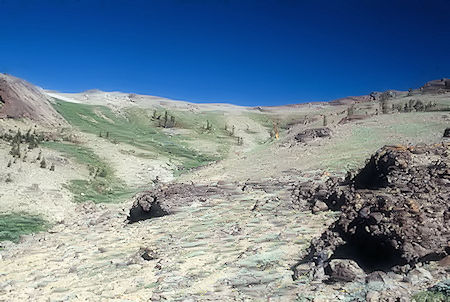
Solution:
(20, 99)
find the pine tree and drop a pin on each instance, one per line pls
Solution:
(350, 111)
(43, 164)
(165, 119)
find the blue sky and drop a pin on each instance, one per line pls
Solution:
(236, 51)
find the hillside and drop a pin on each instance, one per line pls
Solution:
(226, 200)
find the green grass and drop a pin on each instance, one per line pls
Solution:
(104, 187)
(12, 226)
(135, 127)
(431, 296)
(438, 293)
(352, 151)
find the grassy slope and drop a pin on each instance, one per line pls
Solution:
(136, 128)
(14, 225)
(350, 152)
(104, 186)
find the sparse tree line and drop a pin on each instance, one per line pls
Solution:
(232, 133)
(410, 106)
(22, 144)
(165, 120)
(107, 135)
(97, 172)
(414, 105)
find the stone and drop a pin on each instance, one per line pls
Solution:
(372, 296)
(445, 262)
(418, 275)
(344, 270)
(148, 254)
(319, 206)
(377, 276)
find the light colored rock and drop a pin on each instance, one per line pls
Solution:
(344, 270)
(418, 275)
(372, 296)
(319, 206)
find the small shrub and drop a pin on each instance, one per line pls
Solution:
(103, 173)
(438, 293)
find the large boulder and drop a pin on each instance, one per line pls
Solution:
(394, 212)
(147, 205)
(344, 270)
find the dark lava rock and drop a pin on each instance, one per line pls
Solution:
(148, 254)
(394, 213)
(447, 132)
(167, 199)
(147, 205)
(310, 134)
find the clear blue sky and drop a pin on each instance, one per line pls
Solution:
(236, 51)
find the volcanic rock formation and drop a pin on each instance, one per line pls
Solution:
(167, 199)
(395, 211)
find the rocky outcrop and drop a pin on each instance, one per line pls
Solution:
(310, 134)
(437, 86)
(168, 199)
(395, 211)
(20, 99)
